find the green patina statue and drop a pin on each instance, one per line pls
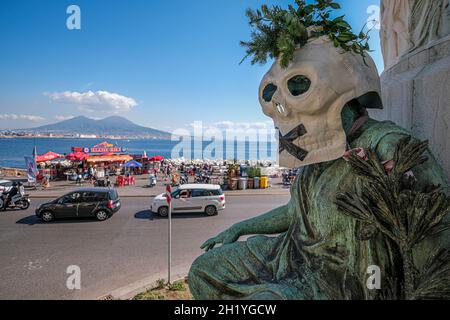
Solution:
(367, 194)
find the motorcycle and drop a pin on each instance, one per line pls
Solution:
(184, 179)
(22, 203)
(202, 178)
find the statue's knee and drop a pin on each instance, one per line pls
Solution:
(196, 266)
(200, 264)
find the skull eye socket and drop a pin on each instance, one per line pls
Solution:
(268, 92)
(299, 85)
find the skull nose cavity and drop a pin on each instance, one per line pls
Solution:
(281, 109)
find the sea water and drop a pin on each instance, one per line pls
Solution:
(13, 150)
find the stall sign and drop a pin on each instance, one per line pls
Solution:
(99, 149)
(104, 150)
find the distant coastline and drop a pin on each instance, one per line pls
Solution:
(111, 128)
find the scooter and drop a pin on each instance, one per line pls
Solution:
(22, 203)
(201, 178)
(184, 179)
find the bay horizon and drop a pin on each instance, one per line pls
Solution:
(14, 149)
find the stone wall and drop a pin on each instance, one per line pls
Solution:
(416, 95)
(12, 172)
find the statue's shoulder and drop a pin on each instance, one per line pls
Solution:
(382, 137)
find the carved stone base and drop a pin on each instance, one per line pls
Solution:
(416, 95)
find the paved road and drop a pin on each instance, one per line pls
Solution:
(111, 254)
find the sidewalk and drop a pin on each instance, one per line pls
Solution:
(58, 188)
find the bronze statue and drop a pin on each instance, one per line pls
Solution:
(343, 216)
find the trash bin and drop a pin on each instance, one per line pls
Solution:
(233, 184)
(250, 183)
(264, 182)
(256, 182)
(243, 184)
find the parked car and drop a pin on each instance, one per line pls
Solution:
(5, 185)
(99, 203)
(205, 198)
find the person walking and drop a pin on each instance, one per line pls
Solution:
(107, 182)
(79, 178)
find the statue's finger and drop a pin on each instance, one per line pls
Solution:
(211, 246)
(207, 243)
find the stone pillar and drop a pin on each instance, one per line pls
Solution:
(416, 87)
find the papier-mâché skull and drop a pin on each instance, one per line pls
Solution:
(305, 100)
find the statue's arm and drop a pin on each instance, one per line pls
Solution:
(275, 221)
(272, 222)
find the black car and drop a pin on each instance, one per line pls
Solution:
(100, 203)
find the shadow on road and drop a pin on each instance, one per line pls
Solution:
(33, 220)
(148, 215)
(144, 214)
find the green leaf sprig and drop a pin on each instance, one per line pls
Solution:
(277, 32)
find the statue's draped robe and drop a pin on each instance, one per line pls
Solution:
(320, 256)
(426, 22)
(394, 33)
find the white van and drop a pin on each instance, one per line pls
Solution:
(207, 198)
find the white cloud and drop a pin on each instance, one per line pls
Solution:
(90, 101)
(62, 118)
(236, 126)
(26, 117)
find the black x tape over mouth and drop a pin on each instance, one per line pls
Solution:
(287, 142)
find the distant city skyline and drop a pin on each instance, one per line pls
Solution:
(161, 64)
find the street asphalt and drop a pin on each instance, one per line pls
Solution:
(125, 249)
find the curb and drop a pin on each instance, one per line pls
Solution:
(149, 283)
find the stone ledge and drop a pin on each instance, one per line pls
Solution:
(421, 57)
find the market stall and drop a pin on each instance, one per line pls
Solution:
(132, 164)
(77, 156)
(157, 159)
(49, 156)
(47, 166)
(110, 164)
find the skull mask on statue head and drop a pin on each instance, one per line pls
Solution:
(305, 100)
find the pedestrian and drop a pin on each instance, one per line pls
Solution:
(46, 182)
(79, 178)
(107, 182)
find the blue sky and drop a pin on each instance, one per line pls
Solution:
(162, 64)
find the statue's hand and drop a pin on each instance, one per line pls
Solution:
(228, 236)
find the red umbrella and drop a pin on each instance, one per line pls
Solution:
(77, 156)
(157, 158)
(49, 156)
